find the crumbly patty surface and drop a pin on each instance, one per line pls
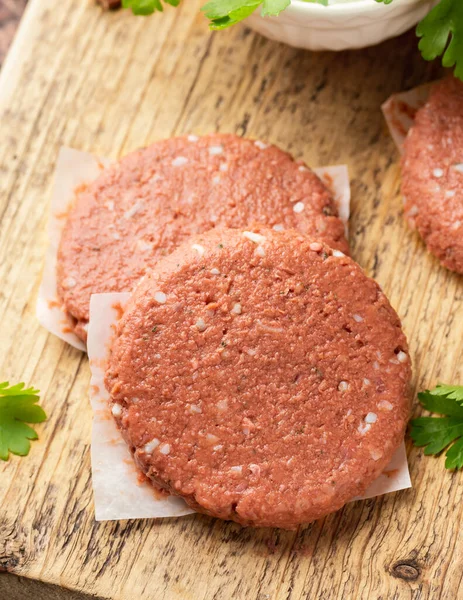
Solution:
(432, 173)
(144, 206)
(261, 376)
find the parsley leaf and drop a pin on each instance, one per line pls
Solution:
(438, 433)
(223, 13)
(147, 7)
(443, 23)
(18, 406)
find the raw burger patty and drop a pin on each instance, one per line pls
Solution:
(152, 200)
(261, 376)
(432, 173)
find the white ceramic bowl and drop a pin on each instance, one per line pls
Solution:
(350, 24)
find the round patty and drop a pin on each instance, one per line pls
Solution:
(261, 376)
(144, 206)
(432, 173)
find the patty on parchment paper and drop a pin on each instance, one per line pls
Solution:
(261, 376)
(432, 173)
(144, 206)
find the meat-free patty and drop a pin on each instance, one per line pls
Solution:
(432, 173)
(261, 376)
(144, 206)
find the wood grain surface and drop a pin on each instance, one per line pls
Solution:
(10, 14)
(109, 83)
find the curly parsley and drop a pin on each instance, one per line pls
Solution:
(438, 433)
(18, 406)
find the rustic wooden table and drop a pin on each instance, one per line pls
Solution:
(108, 83)
(10, 14)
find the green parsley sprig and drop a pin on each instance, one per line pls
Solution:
(18, 406)
(440, 32)
(439, 433)
(147, 7)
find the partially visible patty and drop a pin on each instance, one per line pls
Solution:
(261, 376)
(432, 173)
(144, 206)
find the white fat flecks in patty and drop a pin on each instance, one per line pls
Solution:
(450, 193)
(251, 351)
(216, 179)
(213, 218)
(385, 404)
(278, 227)
(363, 428)
(179, 161)
(236, 469)
(223, 167)
(211, 438)
(303, 168)
(157, 356)
(133, 210)
(376, 365)
(199, 249)
(237, 309)
(222, 405)
(315, 246)
(438, 173)
(261, 145)
(155, 177)
(164, 449)
(257, 238)
(338, 253)
(193, 138)
(214, 150)
(150, 446)
(375, 454)
(201, 325)
(413, 211)
(343, 386)
(402, 357)
(298, 207)
(366, 381)
(457, 225)
(116, 410)
(371, 417)
(116, 236)
(268, 328)
(195, 409)
(215, 271)
(143, 246)
(69, 282)
(358, 318)
(260, 251)
(393, 361)
(458, 167)
(109, 205)
(160, 297)
(255, 469)
(218, 447)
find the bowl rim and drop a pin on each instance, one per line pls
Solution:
(353, 6)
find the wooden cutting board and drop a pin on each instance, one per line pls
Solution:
(108, 83)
